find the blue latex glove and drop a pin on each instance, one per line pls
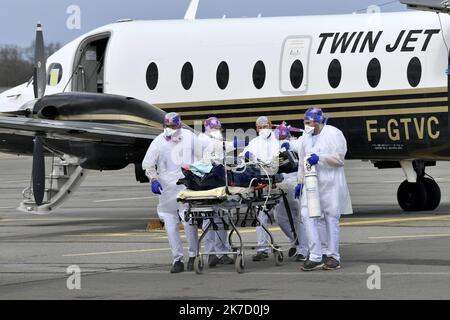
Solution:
(298, 190)
(286, 146)
(248, 155)
(313, 160)
(238, 143)
(156, 187)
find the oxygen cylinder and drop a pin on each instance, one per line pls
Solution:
(311, 188)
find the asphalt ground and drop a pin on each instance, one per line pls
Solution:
(102, 230)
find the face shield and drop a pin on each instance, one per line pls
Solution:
(314, 117)
(213, 128)
(172, 125)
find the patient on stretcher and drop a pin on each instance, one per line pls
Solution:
(200, 176)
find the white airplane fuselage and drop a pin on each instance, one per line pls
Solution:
(381, 78)
(405, 100)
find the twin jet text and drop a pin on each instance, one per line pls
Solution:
(368, 41)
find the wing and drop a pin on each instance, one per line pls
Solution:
(77, 130)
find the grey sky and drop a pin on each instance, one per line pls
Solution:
(19, 17)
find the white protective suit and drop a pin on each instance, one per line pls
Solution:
(294, 205)
(266, 150)
(331, 147)
(215, 241)
(163, 162)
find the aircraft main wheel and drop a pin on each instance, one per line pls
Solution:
(433, 194)
(198, 265)
(412, 196)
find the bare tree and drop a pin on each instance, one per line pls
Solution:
(14, 69)
(16, 64)
(50, 48)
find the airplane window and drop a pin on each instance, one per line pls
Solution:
(187, 76)
(223, 75)
(296, 74)
(374, 72)
(152, 76)
(334, 73)
(414, 72)
(259, 75)
(54, 75)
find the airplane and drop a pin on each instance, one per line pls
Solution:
(381, 78)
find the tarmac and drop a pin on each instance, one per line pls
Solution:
(102, 231)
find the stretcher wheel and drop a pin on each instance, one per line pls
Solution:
(278, 257)
(239, 264)
(198, 265)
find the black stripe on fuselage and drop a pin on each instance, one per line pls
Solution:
(276, 112)
(311, 102)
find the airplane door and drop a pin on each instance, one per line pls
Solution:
(295, 59)
(90, 62)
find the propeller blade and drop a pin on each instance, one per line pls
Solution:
(38, 172)
(40, 69)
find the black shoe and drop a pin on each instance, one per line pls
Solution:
(331, 264)
(300, 258)
(260, 256)
(226, 260)
(190, 265)
(292, 252)
(177, 267)
(311, 265)
(213, 260)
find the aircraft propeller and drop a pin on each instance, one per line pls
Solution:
(39, 85)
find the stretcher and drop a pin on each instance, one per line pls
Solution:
(226, 208)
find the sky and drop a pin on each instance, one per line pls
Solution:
(18, 18)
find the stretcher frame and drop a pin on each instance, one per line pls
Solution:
(228, 207)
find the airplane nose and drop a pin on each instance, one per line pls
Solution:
(13, 99)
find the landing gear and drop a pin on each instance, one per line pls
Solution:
(433, 194)
(412, 196)
(424, 194)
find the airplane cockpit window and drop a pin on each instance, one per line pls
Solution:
(223, 75)
(187, 76)
(296, 74)
(152, 76)
(374, 72)
(334, 73)
(54, 74)
(259, 75)
(414, 72)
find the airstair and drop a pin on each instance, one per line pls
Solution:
(64, 180)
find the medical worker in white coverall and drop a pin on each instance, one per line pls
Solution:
(212, 146)
(324, 147)
(171, 150)
(264, 148)
(299, 251)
